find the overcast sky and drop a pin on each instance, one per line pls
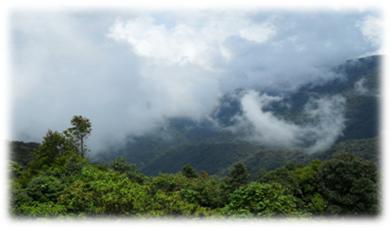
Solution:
(130, 71)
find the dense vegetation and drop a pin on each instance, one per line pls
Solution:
(57, 180)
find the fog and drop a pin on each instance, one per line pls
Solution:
(324, 123)
(130, 72)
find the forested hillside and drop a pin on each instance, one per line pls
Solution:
(202, 169)
(59, 180)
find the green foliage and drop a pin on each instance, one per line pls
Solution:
(114, 193)
(19, 197)
(189, 172)
(44, 188)
(79, 132)
(349, 185)
(173, 204)
(77, 197)
(103, 192)
(261, 200)
(53, 146)
(122, 166)
(210, 192)
(16, 169)
(302, 182)
(59, 181)
(46, 209)
(237, 177)
(192, 196)
(72, 164)
(168, 183)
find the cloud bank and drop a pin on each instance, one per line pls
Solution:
(130, 72)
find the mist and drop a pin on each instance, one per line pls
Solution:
(324, 123)
(131, 72)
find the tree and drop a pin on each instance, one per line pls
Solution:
(261, 200)
(53, 146)
(54, 143)
(44, 188)
(122, 166)
(302, 182)
(349, 185)
(237, 177)
(111, 193)
(172, 204)
(79, 132)
(189, 172)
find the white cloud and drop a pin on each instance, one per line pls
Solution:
(371, 28)
(258, 33)
(266, 128)
(181, 44)
(325, 117)
(328, 114)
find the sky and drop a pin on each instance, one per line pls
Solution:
(129, 72)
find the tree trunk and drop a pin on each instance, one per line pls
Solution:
(81, 146)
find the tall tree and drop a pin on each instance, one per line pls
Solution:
(237, 177)
(54, 144)
(79, 132)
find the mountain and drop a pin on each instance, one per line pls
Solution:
(359, 84)
(208, 145)
(212, 157)
(22, 152)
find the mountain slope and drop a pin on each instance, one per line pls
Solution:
(211, 147)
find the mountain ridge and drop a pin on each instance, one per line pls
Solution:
(361, 123)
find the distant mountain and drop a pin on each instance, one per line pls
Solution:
(211, 157)
(22, 152)
(208, 145)
(359, 84)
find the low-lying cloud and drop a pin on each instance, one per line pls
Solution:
(324, 123)
(130, 72)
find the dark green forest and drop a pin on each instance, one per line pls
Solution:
(54, 178)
